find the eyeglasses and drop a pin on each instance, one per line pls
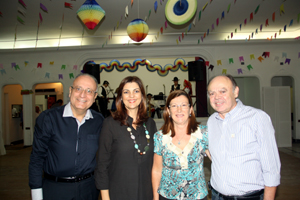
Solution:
(183, 106)
(80, 89)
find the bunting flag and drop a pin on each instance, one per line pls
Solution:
(20, 20)
(291, 22)
(287, 60)
(22, 3)
(199, 17)
(206, 63)
(155, 6)
(281, 9)
(161, 30)
(241, 58)
(47, 75)
(240, 71)
(284, 54)
(204, 6)
(3, 71)
(273, 17)
(279, 31)
(251, 17)
(261, 27)
(267, 22)
(60, 76)
(41, 18)
(212, 27)
(182, 35)
(240, 26)
(275, 35)
(230, 60)
(131, 2)
(13, 65)
(71, 75)
(211, 67)
(224, 71)
(223, 15)
(177, 41)
(75, 67)
(43, 7)
(284, 28)
(17, 67)
(39, 65)
(63, 67)
(26, 63)
(276, 58)
(51, 63)
(249, 67)
(256, 10)
(260, 58)
(266, 54)
(231, 34)
(68, 5)
(219, 62)
(21, 11)
(217, 21)
(228, 8)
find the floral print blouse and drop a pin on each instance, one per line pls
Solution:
(183, 173)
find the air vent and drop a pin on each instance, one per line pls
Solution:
(44, 90)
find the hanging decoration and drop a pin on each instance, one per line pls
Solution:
(180, 12)
(90, 13)
(137, 30)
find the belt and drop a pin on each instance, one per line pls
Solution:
(71, 179)
(253, 196)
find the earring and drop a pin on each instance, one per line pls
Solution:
(169, 116)
(190, 115)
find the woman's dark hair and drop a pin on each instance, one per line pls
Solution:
(121, 113)
(169, 124)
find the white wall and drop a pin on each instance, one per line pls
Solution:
(30, 75)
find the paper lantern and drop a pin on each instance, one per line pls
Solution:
(90, 13)
(179, 12)
(137, 30)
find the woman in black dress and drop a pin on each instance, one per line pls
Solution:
(125, 154)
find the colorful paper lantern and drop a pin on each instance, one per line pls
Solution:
(90, 13)
(179, 12)
(137, 30)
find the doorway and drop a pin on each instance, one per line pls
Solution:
(287, 81)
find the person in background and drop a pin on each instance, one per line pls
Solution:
(187, 87)
(152, 106)
(63, 157)
(179, 150)
(125, 154)
(103, 98)
(245, 159)
(58, 103)
(176, 86)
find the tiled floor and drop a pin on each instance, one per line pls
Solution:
(14, 173)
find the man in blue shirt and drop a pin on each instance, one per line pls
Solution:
(64, 148)
(245, 159)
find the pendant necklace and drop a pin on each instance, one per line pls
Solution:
(136, 146)
(180, 139)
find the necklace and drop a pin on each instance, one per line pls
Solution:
(180, 139)
(136, 146)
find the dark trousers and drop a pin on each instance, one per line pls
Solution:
(163, 198)
(157, 110)
(82, 190)
(103, 106)
(215, 195)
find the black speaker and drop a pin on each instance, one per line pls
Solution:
(196, 70)
(92, 69)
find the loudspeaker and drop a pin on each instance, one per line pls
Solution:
(94, 70)
(196, 70)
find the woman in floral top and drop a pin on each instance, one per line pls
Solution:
(179, 150)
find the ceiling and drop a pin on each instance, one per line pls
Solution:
(61, 27)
